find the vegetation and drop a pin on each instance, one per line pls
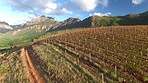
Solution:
(110, 54)
(12, 68)
(24, 38)
(3, 41)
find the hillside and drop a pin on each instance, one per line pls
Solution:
(109, 54)
(134, 19)
(4, 41)
(96, 21)
(27, 32)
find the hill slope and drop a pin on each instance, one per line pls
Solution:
(120, 52)
(27, 32)
(96, 21)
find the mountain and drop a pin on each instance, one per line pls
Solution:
(71, 21)
(42, 19)
(135, 19)
(97, 21)
(67, 24)
(5, 27)
(92, 21)
(130, 19)
(30, 30)
(40, 24)
(43, 24)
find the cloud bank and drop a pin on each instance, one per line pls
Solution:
(101, 14)
(39, 6)
(13, 20)
(52, 7)
(89, 5)
(136, 2)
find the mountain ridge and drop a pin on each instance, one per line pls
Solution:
(5, 27)
(50, 24)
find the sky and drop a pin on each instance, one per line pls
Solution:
(19, 11)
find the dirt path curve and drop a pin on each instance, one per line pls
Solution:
(32, 72)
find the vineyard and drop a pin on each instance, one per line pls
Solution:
(116, 54)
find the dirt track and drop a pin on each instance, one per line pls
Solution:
(32, 72)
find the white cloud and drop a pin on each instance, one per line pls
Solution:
(136, 2)
(51, 5)
(64, 10)
(38, 7)
(86, 5)
(61, 11)
(101, 14)
(15, 17)
(90, 5)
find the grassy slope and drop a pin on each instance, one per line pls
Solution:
(26, 36)
(23, 38)
(12, 69)
(131, 19)
(4, 41)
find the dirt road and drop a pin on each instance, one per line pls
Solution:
(32, 72)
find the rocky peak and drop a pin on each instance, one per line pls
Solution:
(41, 19)
(42, 16)
(4, 23)
(4, 27)
(72, 20)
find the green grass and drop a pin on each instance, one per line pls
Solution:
(3, 41)
(135, 69)
(12, 69)
(23, 38)
(3, 70)
(63, 68)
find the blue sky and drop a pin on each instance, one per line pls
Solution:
(19, 11)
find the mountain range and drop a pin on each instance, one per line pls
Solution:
(32, 29)
(48, 23)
